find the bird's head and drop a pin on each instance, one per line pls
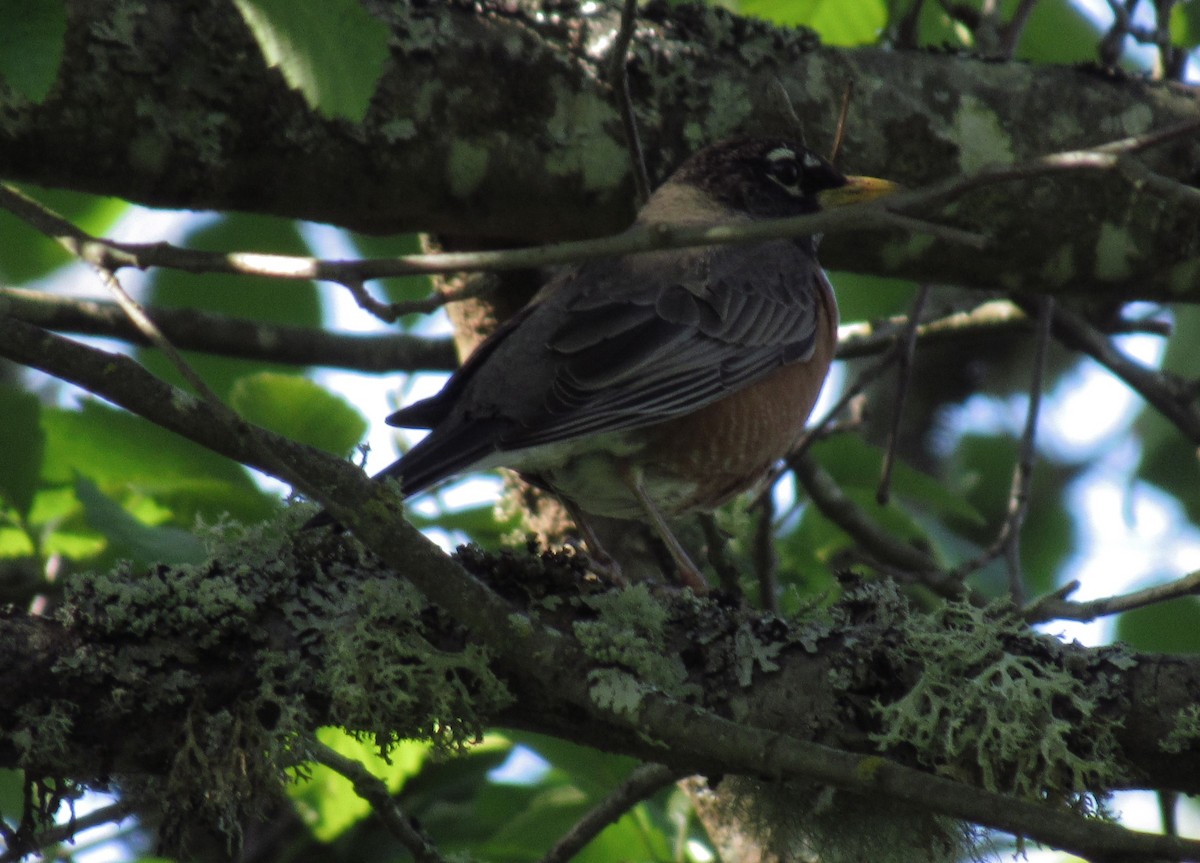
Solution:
(772, 178)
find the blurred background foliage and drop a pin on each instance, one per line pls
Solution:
(1115, 494)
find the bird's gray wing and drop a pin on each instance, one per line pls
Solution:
(673, 339)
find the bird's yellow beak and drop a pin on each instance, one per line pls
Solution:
(857, 190)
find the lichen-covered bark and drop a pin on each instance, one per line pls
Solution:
(285, 635)
(493, 122)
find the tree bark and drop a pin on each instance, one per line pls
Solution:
(491, 121)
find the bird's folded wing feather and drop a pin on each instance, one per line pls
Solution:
(627, 359)
(632, 348)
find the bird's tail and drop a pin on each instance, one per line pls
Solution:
(438, 456)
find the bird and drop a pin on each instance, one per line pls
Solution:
(655, 384)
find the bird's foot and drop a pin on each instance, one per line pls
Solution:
(605, 566)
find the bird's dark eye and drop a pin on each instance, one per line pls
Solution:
(783, 168)
(787, 173)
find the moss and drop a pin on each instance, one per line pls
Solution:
(390, 682)
(466, 168)
(993, 706)
(752, 652)
(629, 631)
(982, 139)
(1186, 732)
(298, 645)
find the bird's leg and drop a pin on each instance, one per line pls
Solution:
(605, 562)
(689, 573)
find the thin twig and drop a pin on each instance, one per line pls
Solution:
(1171, 58)
(138, 317)
(882, 212)
(907, 346)
(366, 302)
(1140, 175)
(375, 791)
(1018, 505)
(1102, 157)
(67, 235)
(1173, 398)
(839, 132)
(114, 812)
(645, 781)
(391, 312)
(1010, 34)
(1007, 541)
(833, 503)
(644, 238)
(907, 30)
(949, 233)
(1055, 606)
(871, 338)
(780, 94)
(618, 77)
(718, 553)
(1168, 810)
(766, 561)
(225, 335)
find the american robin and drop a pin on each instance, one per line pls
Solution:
(660, 383)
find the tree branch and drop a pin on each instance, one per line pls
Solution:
(1055, 606)
(563, 171)
(373, 790)
(191, 329)
(646, 780)
(1174, 400)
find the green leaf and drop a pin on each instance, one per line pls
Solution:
(1185, 24)
(858, 465)
(58, 514)
(1169, 627)
(804, 555)
(12, 796)
(121, 453)
(332, 52)
(863, 297)
(1056, 32)
(129, 538)
(840, 22)
(31, 45)
(596, 772)
(446, 795)
(23, 443)
(14, 543)
(326, 800)
(296, 407)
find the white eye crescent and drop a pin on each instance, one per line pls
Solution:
(784, 169)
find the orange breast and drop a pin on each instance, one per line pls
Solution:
(727, 446)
